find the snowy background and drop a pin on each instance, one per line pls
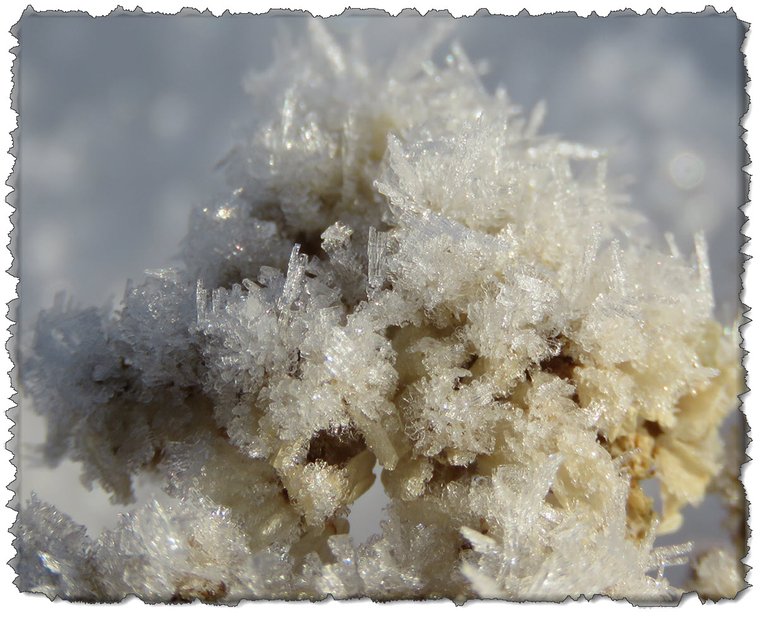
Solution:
(123, 120)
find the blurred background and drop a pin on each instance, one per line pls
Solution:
(124, 118)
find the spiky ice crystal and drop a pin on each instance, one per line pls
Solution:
(405, 274)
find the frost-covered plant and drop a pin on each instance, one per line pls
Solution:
(405, 274)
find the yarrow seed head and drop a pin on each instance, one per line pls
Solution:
(406, 274)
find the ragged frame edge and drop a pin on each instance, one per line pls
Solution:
(11, 274)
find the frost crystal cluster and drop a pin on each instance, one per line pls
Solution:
(405, 274)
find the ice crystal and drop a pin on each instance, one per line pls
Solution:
(405, 274)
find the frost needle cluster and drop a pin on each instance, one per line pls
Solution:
(405, 274)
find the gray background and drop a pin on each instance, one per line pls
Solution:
(124, 118)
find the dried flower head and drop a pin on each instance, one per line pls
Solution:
(405, 274)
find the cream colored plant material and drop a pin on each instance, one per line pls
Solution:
(406, 274)
(718, 573)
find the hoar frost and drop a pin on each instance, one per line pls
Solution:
(405, 274)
